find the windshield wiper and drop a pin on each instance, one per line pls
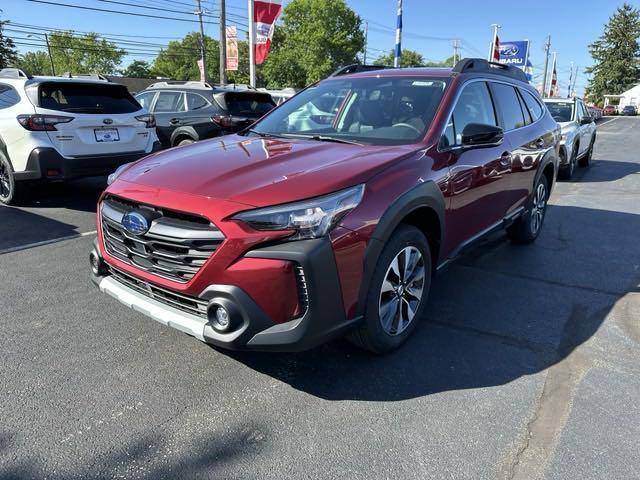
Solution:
(264, 134)
(324, 138)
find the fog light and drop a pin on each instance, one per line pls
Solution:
(97, 264)
(222, 320)
(53, 172)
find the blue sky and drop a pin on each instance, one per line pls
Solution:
(429, 25)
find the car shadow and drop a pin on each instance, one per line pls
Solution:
(21, 227)
(603, 170)
(81, 195)
(498, 314)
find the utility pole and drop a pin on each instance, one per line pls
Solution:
(366, 34)
(199, 13)
(223, 44)
(456, 47)
(46, 39)
(396, 60)
(547, 46)
(252, 41)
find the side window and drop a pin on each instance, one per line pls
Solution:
(474, 106)
(525, 110)
(508, 106)
(195, 101)
(145, 99)
(8, 96)
(535, 109)
(170, 102)
(582, 111)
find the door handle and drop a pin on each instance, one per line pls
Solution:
(174, 121)
(505, 159)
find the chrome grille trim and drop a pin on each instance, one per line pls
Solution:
(175, 247)
(192, 305)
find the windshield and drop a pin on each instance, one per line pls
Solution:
(86, 98)
(378, 111)
(561, 111)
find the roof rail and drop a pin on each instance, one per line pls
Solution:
(92, 76)
(14, 73)
(357, 68)
(479, 65)
(184, 83)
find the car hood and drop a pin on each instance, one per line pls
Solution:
(260, 171)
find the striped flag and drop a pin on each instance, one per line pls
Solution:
(265, 14)
(495, 55)
(553, 90)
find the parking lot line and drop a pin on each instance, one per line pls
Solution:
(608, 121)
(46, 242)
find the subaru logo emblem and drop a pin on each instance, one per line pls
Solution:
(107, 121)
(135, 223)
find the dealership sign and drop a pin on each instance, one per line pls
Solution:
(515, 53)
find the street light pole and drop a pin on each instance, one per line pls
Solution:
(252, 41)
(223, 44)
(366, 34)
(202, 44)
(547, 46)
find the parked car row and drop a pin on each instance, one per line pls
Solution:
(60, 128)
(627, 110)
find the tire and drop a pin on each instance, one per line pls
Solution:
(8, 190)
(585, 161)
(527, 228)
(566, 172)
(387, 292)
(185, 141)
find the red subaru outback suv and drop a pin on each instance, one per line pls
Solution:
(332, 213)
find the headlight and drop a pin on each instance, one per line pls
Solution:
(311, 218)
(112, 178)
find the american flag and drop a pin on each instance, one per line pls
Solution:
(495, 55)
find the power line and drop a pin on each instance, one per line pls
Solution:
(120, 12)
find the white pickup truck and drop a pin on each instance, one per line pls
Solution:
(578, 133)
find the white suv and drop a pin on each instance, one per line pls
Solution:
(58, 128)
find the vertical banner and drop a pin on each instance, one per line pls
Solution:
(495, 56)
(201, 69)
(232, 48)
(265, 14)
(515, 53)
(553, 89)
(398, 47)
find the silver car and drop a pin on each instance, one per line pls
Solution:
(578, 133)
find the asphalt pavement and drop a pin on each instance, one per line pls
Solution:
(526, 367)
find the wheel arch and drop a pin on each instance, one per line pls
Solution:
(182, 133)
(422, 207)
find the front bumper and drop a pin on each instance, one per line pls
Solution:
(323, 316)
(44, 160)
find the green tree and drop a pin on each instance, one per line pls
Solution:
(86, 53)
(448, 62)
(179, 59)
(409, 58)
(616, 55)
(137, 69)
(316, 37)
(35, 63)
(8, 54)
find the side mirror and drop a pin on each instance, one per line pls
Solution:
(586, 120)
(481, 135)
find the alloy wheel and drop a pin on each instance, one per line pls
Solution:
(538, 208)
(402, 290)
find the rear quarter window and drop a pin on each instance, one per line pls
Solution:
(79, 97)
(248, 104)
(8, 96)
(510, 111)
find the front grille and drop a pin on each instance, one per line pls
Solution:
(192, 305)
(175, 246)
